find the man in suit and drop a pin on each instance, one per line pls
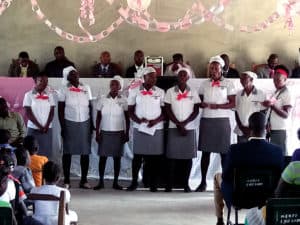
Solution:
(23, 67)
(267, 70)
(55, 67)
(106, 68)
(227, 70)
(138, 64)
(256, 152)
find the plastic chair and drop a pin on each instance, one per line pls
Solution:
(283, 211)
(252, 187)
(6, 214)
(62, 209)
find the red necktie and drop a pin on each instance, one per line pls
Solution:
(147, 92)
(215, 83)
(182, 96)
(42, 97)
(75, 89)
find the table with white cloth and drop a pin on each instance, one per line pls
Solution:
(13, 90)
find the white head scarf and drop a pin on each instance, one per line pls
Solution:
(250, 74)
(217, 59)
(184, 69)
(66, 72)
(120, 80)
(148, 70)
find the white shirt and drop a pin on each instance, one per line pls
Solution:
(112, 112)
(47, 211)
(170, 72)
(216, 95)
(277, 122)
(147, 106)
(248, 104)
(40, 105)
(76, 102)
(10, 192)
(182, 107)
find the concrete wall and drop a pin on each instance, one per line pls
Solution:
(21, 30)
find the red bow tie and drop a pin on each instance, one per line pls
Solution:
(215, 83)
(75, 89)
(147, 92)
(42, 97)
(182, 96)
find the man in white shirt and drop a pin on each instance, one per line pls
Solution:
(173, 68)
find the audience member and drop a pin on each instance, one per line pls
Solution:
(75, 118)
(182, 108)
(145, 107)
(131, 71)
(248, 100)
(22, 171)
(112, 127)
(39, 105)
(5, 146)
(55, 67)
(279, 107)
(172, 68)
(228, 71)
(267, 70)
(250, 154)
(46, 212)
(23, 66)
(106, 68)
(36, 161)
(217, 98)
(13, 122)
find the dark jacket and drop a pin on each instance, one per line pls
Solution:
(15, 70)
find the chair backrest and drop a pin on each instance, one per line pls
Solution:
(6, 217)
(253, 186)
(283, 211)
(60, 199)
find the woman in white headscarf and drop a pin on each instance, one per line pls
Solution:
(217, 98)
(75, 117)
(112, 126)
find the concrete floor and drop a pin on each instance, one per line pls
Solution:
(141, 207)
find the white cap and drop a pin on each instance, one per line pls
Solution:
(147, 70)
(250, 74)
(217, 59)
(188, 72)
(119, 79)
(66, 72)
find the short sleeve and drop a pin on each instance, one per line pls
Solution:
(100, 104)
(27, 100)
(201, 89)
(287, 100)
(62, 95)
(89, 92)
(51, 100)
(131, 100)
(168, 96)
(196, 97)
(11, 188)
(230, 88)
(125, 104)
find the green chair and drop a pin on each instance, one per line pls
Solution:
(6, 217)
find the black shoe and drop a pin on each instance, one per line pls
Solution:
(153, 189)
(187, 189)
(220, 221)
(132, 187)
(168, 189)
(201, 187)
(99, 186)
(85, 185)
(116, 186)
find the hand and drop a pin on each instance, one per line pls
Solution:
(246, 131)
(204, 105)
(125, 137)
(181, 129)
(98, 137)
(62, 133)
(213, 106)
(175, 67)
(143, 120)
(267, 103)
(151, 123)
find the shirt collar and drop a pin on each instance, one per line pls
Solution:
(256, 138)
(221, 79)
(143, 88)
(254, 91)
(109, 96)
(34, 92)
(104, 66)
(70, 85)
(187, 88)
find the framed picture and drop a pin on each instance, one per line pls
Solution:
(157, 62)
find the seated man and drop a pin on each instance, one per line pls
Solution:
(172, 68)
(106, 68)
(228, 71)
(23, 66)
(138, 64)
(13, 122)
(267, 70)
(55, 67)
(252, 153)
